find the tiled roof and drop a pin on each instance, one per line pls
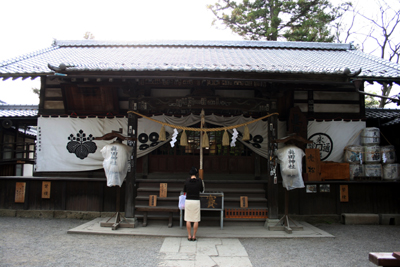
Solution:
(387, 116)
(18, 111)
(392, 122)
(203, 56)
(381, 113)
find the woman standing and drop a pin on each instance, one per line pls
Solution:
(193, 187)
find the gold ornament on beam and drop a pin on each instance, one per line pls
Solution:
(162, 134)
(206, 142)
(246, 134)
(225, 139)
(184, 141)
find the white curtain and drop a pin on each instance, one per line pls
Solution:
(331, 137)
(66, 144)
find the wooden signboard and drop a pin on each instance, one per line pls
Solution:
(205, 102)
(20, 192)
(46, 186)
(244, 202)
(211, 200)
(163, 189)
(313, 164)
(153, 200)
(344, 193)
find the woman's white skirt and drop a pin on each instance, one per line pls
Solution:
(192, 210)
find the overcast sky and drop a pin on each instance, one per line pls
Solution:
(29, 26)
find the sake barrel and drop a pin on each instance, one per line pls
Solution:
(356, 170)
(373, 170)
(372, 154)
(388, 154)
(353, 154)
(370, 136)
(391, 171)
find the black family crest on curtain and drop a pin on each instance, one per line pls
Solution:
(81, 145)
(323, 142)
(153, 137)
(255, 141)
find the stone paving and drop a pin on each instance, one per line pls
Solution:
(230, 230)
(214, 247)
(205, 252)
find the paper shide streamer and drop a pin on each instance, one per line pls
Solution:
(174, 136)
(234, 136)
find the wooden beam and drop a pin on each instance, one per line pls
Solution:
(272, 184)
(42, 93)
(130, 182)
(336, 80)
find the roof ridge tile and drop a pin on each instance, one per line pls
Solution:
(205, 43)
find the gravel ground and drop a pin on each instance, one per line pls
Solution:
(350, 247)
(45, 242)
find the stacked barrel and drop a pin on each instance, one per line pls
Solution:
(390, 169)
(370, 159)
(353, 154)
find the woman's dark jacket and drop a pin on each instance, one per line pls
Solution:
(193, 187)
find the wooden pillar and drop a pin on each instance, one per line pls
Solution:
(42, 94)
(63, 195)
(130, 182)
(257, 167)
(2, 145)
(15, 148)
(362, 100)
(272, 187)
(27, 194)
(145, 166)
(202, 122)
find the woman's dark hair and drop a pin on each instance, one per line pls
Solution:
(193, 171)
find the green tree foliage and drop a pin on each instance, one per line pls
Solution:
(371, 102)
(293, 20)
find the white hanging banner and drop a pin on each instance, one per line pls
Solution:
(331, 137)
(66, 144)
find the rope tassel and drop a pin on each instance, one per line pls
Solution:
(162, 134)
(184, 141)
(206, 142)
(246, 134)
(225, 139)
